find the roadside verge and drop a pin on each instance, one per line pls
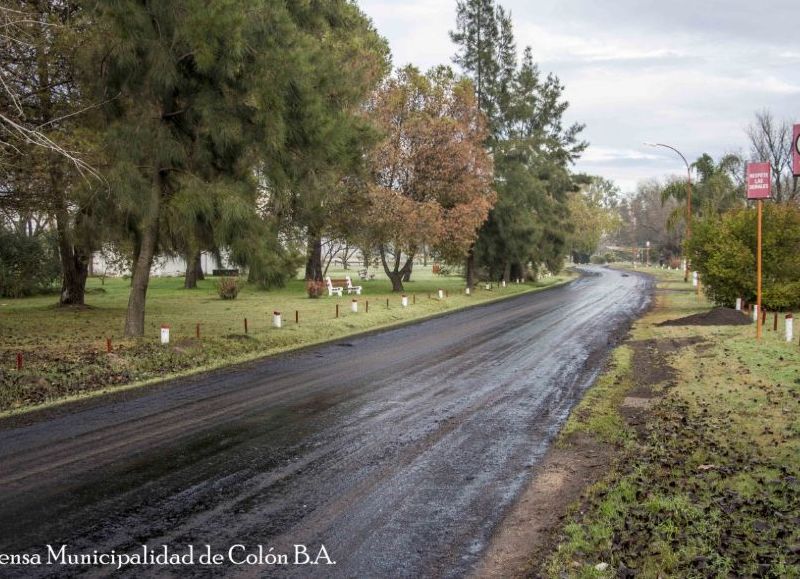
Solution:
(680, 461)
(259, 345)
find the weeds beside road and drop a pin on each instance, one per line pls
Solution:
(64, 349)
(704, 426)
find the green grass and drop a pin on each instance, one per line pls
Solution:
(712, 491)
(64, 349)
(597, 414)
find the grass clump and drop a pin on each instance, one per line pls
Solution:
(228, 287)
(597, 413)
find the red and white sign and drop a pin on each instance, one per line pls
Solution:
(759, 181)
(796, 151)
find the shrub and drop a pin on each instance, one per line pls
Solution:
(315, 288)
(28, 264)
(723, 250)
(228, 287)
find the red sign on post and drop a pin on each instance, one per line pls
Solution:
(796, 151)
(759, 181)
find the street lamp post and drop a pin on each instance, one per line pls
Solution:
(688, 198)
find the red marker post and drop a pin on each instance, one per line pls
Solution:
(759, 187)
(796, 151)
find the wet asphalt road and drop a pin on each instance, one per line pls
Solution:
(399, 451)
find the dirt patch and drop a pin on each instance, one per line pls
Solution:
(715, 317)
(635, 402)
(526, 534)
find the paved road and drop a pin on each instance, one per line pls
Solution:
(399, 451)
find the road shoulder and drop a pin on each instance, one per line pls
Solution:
(646, 477)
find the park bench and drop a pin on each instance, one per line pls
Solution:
(335, 289)
(352, 289)
(225, 272)
(364, 274)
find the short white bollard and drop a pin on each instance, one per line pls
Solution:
(354, 306)
(694, 279)
(487, 286)
(165, 334)
(504, 283)
(738, 304)
(277, 322)
(789, 328)
(755, 312)
(441, 294)
(404, 301)
(466, 291)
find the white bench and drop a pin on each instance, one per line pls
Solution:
(333, 289)
(356, 289)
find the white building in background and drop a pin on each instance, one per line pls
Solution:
(163, 266)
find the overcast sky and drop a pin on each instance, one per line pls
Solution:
(689, 73)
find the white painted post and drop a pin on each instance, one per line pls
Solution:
(738, 304)
(404, 301)
(165, 334)
(789, 328)
(354, 306)
(441, 294)
(694, 279)
(504, 283)
(466, 291)
(755, 312)
(276, 320)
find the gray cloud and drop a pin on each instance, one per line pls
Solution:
(688, 73)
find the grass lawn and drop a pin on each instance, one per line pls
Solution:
(64, 349)
(711, 487)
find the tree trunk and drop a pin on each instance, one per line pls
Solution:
(137, 244)
(198, 267)
(406, 271)
(395, 274)
(190, 278)
(74, 259)
(397, 281)
(314, 258)
(144, 251)
(134, 320)
(507, 272)
(73, 284)
(470, 267)
(75, 270)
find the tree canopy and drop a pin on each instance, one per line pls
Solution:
(431, 178)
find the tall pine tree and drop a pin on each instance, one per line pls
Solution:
(532, 149)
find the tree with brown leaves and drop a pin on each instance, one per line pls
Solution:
(431, 177)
